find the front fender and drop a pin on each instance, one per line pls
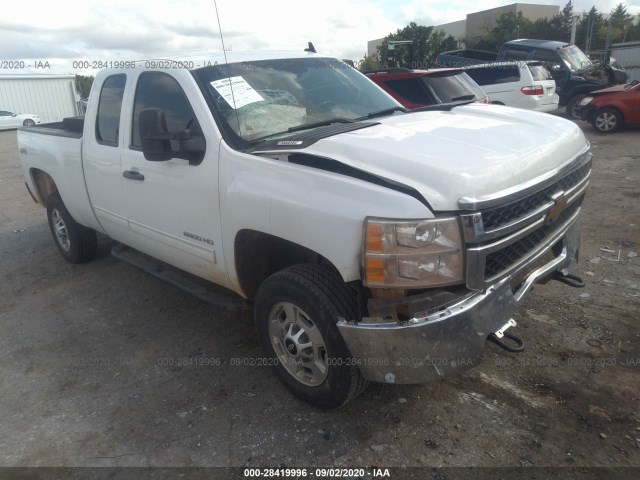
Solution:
(319, 210)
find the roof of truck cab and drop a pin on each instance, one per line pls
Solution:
(206, 59)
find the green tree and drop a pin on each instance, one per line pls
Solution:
(588, 27)
(633, 34)
(368, 63)
(620, 17)
(407, 55)
(83, 85)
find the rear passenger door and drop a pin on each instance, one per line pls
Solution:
(172, 205)
(101, 147)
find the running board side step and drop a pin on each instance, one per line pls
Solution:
(198, 287)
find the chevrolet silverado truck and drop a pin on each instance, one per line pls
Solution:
(374, 243)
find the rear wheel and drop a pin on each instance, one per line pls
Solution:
(296, 312)
(607, 120)
(75, 242)
(28, 123)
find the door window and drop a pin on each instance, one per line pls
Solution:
(161, 91)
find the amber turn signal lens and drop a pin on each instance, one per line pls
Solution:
(374, 237)
(375, 270)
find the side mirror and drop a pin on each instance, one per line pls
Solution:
(155, 139)
(556, 67)
(191, 145)
(14, 114)
(159, 145)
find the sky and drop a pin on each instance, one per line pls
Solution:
(61, 32)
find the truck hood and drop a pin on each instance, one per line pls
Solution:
(472, 151)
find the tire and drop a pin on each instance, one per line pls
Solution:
(76, 243)
(28, 123)
(573, 109)
(607, 120)
(296, 311)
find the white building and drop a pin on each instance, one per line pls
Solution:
(52, 97)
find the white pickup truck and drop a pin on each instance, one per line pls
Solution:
(375, 243)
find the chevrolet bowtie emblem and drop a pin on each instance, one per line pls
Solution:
(559, 206)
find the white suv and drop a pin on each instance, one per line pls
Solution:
(526, 85)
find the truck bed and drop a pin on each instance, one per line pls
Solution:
(70, 127)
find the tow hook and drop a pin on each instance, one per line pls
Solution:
(501, 333)
(568, 279)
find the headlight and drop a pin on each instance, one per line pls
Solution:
(585, 101)
(412, 254)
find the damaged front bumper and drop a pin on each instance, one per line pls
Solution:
(433, 345)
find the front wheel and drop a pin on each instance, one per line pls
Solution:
(573, 108)
(607, 120)
(75, 242)
(296, 312)
(28, 123)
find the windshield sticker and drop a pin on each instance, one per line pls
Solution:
(236, 91)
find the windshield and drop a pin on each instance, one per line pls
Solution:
(266, 98)
(574, 58)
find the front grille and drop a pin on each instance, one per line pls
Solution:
(501, 260)
(499, 216)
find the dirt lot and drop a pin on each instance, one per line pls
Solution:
(104, 365)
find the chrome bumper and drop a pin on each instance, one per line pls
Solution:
(430, 347)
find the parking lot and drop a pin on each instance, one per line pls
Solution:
(104, 365)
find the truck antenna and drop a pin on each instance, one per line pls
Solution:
(224, 52)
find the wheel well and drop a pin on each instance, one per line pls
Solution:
(497, 103)
(45, 186)
(259, 255)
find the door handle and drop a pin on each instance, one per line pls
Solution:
(133, 175)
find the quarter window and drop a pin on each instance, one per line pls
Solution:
(494, 75)
(109, 107)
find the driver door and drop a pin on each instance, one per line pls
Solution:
(172, 205)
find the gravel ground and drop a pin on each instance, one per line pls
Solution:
(104, 365)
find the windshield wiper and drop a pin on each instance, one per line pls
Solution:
(381, 113)
(322, 123)
(445, 107)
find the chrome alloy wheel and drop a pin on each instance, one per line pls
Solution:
(60, 230)
(606, 121)
(298, 343)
